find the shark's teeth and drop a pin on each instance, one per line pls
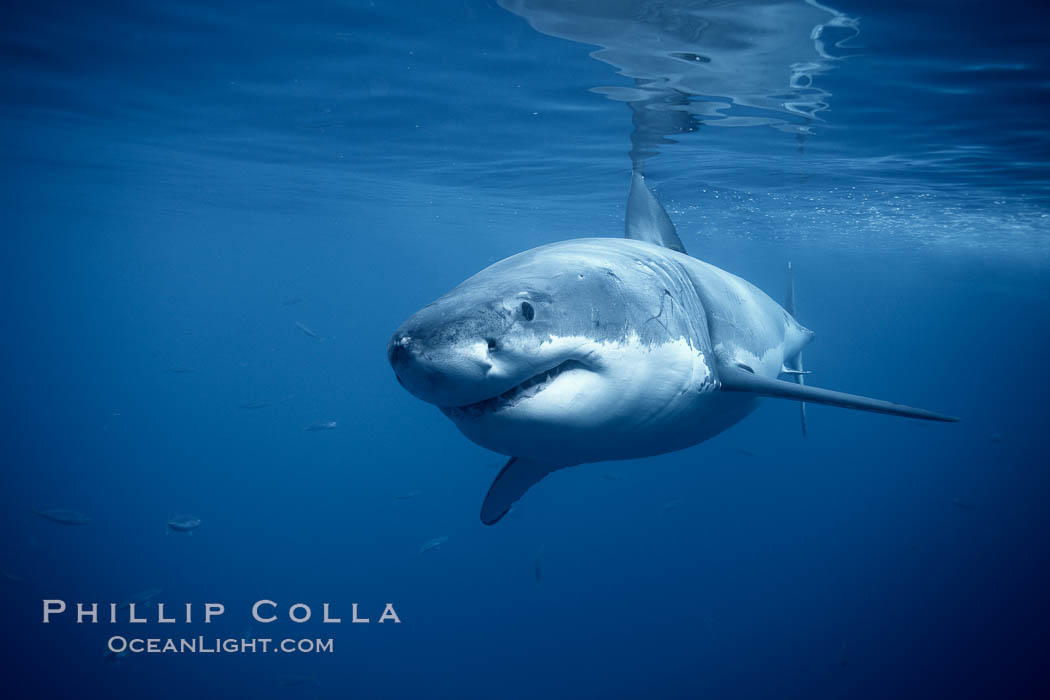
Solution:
(527, 389)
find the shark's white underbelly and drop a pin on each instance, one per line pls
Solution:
(639, 399)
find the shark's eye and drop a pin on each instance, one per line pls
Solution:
(527, 311)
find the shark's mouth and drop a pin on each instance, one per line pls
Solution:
(513, 396)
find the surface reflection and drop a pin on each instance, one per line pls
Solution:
(714, 62)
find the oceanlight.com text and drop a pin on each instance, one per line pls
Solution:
(216, 645)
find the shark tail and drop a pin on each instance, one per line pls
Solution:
(794, 364)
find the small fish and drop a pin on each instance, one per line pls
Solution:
(253, 405)
(184, 523)
(963, 504)
(8, 576)
(141, 598)
(64, 517)
(321, 425)
(406, 496)
(433, 544)
(181, 370)
(291, 301)
(610, 477)
(537, 564)
(996, 437)
(670, 506)
(306, 329)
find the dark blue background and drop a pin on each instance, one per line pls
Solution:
(172, 173)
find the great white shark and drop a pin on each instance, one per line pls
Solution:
(600, 349)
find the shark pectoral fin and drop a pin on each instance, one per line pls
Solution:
(647, 220)
(736, 379)
(517, 476)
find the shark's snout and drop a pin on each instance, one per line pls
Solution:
(440, 373)
(413, 367)
(397, 352)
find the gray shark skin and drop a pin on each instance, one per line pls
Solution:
(602, 349)
(626, 324)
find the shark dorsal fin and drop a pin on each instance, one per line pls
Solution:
(646, 218)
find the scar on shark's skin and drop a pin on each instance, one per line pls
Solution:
(667, 296)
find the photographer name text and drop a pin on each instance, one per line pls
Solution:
(263, 611)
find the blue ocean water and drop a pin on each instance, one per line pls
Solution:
(217, 214)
